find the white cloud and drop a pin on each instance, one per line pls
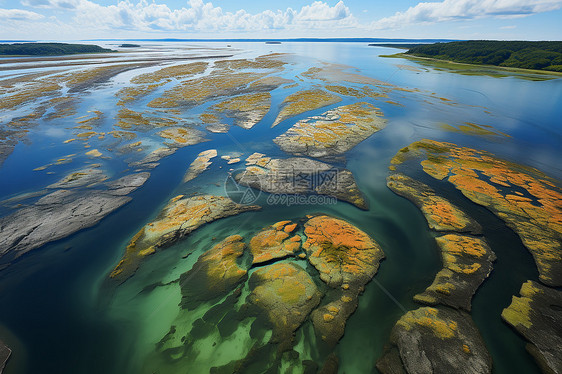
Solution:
(465, 9)
(320, 11)
(19, 15)
(508, 27)
(198, 16)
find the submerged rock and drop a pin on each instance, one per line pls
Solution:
(467, 262)
(215, 273)
(298, 175)
(179, 218)
(441, 215)
(347, 258)
(275, 242)
(5, 353)
(287, 295)
(525, 198)
(431, 340)
(333, 133)
(537, 315)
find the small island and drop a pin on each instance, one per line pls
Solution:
(126, 45)
(535, 55)
(49, 49)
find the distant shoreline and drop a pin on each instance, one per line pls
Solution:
(475, 66)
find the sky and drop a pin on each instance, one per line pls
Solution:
(447, 19)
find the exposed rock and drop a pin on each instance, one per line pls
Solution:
(5, 353)
(218, 128)
(150, 160)
(286, 294)
(333, 133)
(537, 315)
(80, 178)
(54, 217)
(94, 153)
(127, 184)
(347, 258)
(441, 215)
(183, 136)
(467, 262)
(304, 101)
(215, 273)
(179, 218)
(200, 164)
(431, 340)
(342, 253)
(246, 110)
(274, 242)
(299, 175)
(525, 198)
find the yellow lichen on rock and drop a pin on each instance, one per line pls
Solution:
(180, 216)
(429, 318)
(536, 215)
(304, 101)
(274, 242)
(334, 132)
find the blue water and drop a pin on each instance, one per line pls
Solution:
(56, 302)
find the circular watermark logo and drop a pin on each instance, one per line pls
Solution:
(242, 193)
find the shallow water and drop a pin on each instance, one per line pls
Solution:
(56, 300)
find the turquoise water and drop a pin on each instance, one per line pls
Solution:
(67, 318)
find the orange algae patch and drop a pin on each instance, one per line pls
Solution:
(440, 214)
(536, 216)
(341, 252)
(274, 242)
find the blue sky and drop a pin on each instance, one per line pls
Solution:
(455, 19)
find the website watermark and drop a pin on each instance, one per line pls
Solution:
(291, 200)
(286, 186)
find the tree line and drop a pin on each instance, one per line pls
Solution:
(544, 55)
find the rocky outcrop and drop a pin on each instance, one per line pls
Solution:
(54, 217)
(304, 101)
(435, 340)
(81, 178)
(298, 175)
(5, 353)
(441, 215)
(179, 218)
(525, 198)
(199, 165)
(286, 294)
(246, 110)
(537, 315)
(467, 262)
(215, 273)
(346, 258)
(333, 133)
(275, 242)
(65, 211)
